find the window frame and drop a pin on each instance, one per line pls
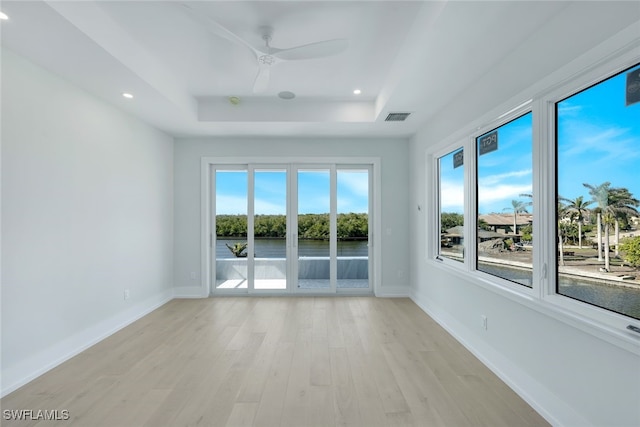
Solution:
(542, 297)
(515, 113)
(434, 253)
(589, 78)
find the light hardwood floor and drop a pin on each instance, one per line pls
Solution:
(315, 361)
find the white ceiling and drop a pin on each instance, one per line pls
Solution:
(405, 56)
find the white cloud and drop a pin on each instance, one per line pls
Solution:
(567, 109)
(264, 207)
(353, 191)
(603, 143)
(313, 204)
(268, 184)
(230, 205)
(494, 179)
(237, 205)
(355, 182)
(451, 196)
(496, 195)
(349, 204)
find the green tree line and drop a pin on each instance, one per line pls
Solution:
(449, 220)
(310, 226)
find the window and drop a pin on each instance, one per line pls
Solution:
(451, 191)
(598, 187)
(504, 218)
(549, 203)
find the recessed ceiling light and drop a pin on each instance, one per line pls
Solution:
(127, 95)
(285, 94)
(234, 100)
(3, 16)
(357, 92)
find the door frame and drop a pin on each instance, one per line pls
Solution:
(207, 252)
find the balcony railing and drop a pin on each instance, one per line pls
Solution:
(313, 272)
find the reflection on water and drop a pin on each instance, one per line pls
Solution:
(621, 299)
(275, 248)
(519, 275)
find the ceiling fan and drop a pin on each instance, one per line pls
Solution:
(267, 55)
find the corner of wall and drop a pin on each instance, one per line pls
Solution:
(393, 292)
(16, 376)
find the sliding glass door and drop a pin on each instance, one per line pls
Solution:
(291, 228)
(230, 225)
(270, 229)
(315, 226)
(353, 223)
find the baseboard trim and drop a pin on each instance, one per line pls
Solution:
(543, 400)
(189, 292)
(31, 368)
(393, 292)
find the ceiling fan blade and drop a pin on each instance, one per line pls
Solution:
(218, 29)
(312, 50)
(261, 83)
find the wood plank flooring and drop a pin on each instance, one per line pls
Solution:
(299, 361)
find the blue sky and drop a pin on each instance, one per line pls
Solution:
(504, 174)
(598, 141)
(271, 188)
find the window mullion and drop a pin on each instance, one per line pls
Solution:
(333, 227)
(251, 277)
(470, 205)
(543, 197)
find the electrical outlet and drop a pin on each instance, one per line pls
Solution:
(484, 322)
(126, 294)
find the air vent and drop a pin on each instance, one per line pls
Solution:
(397, 117)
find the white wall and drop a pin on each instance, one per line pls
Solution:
(394, 196)
(570, 376)
(87, 212)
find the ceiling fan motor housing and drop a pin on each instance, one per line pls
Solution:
(266, 59)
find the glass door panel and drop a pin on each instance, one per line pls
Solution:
(285, 227)
(353, 228)
(270, 229)
(314, 229)
(231, 194)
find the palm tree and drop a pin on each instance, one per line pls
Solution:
(517, 206)
(578, 207)
(623, 205)
(600, 196)
(562, 212)
(613, 202)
